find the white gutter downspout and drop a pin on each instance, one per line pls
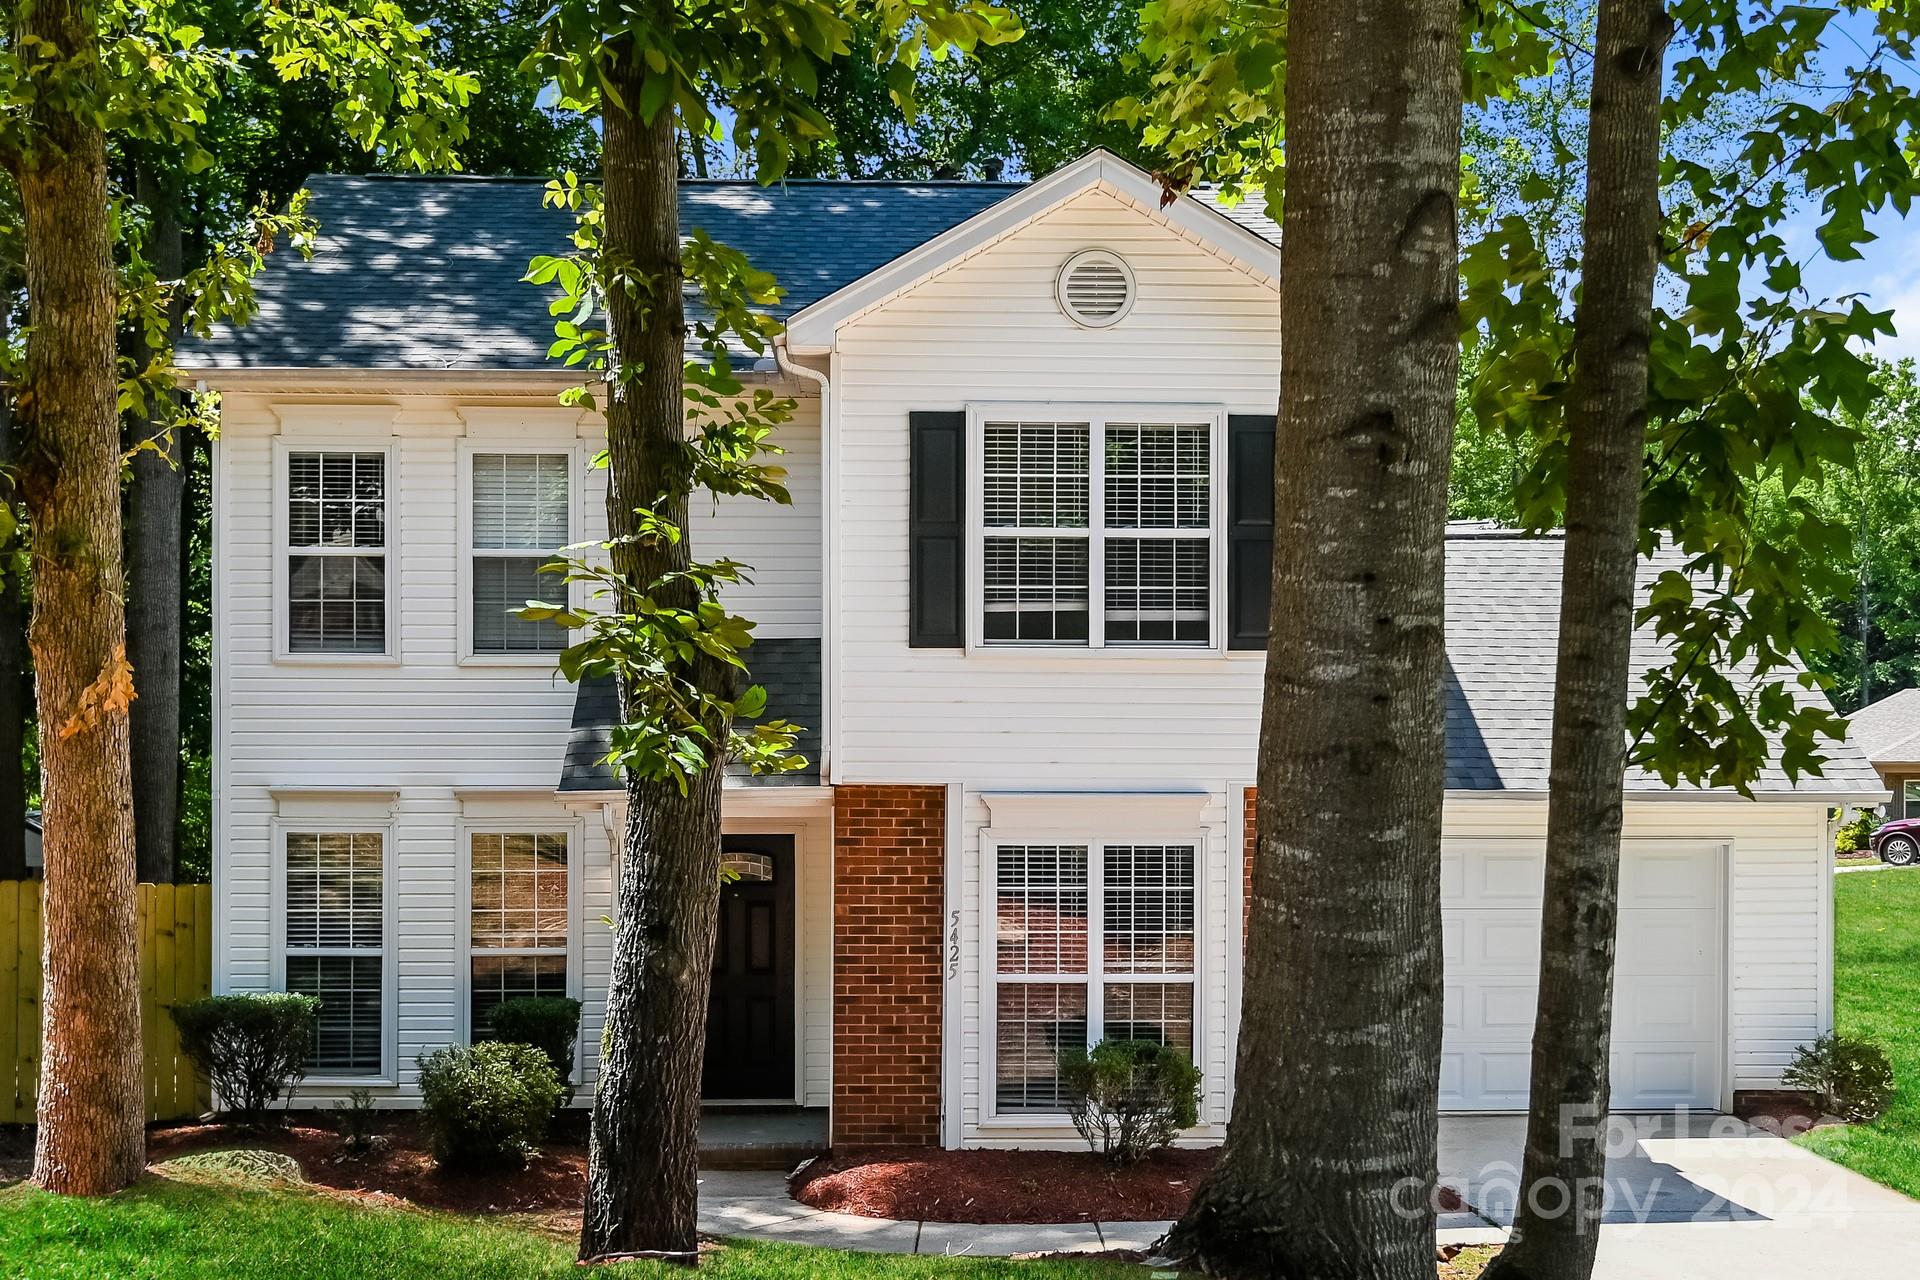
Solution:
(828, 667)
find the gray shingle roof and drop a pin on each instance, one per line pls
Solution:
(790, 672)
(1503, 622)
(424, 273)
(1250, 211)
(1888, 730)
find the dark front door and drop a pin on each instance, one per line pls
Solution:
(750, 1014)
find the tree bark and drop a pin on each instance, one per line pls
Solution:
(16, 694)
(91, 1140)
(1330, 1157)
(642, 1176)
(1556, 1226)
(155, 590)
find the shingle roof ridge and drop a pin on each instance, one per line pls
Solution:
(485, 179)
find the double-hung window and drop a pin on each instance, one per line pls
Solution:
(1097, 530)
(518, 921)
(1093, 941)
(336, 944)
(337, 552)
(521, 515)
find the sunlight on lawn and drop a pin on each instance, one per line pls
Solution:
(167, 1230)
(1876, 982)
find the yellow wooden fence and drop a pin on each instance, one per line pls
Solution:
(176, 964)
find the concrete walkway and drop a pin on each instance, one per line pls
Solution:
(1873, 866)
(755, 1205)
(1688, 1198)
(1705, 1198)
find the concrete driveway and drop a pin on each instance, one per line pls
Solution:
(1705, 1198)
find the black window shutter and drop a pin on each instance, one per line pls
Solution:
(937, 530)
(1249, 528)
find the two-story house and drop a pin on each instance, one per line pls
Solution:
(1019, 601)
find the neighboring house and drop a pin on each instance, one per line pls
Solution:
(1887, 733)
(33, 840)
(1019, 601)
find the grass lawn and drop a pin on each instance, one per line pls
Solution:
(168, 1230)
(1876, 981)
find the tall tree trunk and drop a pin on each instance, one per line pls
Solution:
(1565, 1162)
(643, 1166)
(16, 695)
(154, 592)
(91, 1138)
(1330, 1155)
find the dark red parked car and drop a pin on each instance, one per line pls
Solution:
(1897, 843)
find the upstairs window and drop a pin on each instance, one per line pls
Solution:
(522, 515)
(337, 553)
(1097, 532)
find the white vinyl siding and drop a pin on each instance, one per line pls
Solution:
(987, 336)
(522, 513)
(336, 944)
(426, 719)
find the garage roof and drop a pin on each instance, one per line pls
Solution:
(1503, 627)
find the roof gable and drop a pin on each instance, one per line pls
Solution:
(1242, 235)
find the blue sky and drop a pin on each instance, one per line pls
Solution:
(1888, 272)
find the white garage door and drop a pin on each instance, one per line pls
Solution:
(1667, 1037)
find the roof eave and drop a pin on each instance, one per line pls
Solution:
(363, 377)
(1837, 795)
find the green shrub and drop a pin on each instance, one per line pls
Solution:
(253, 1048)
(1850, 1077)
(358, 1123)
(1856, 836)
(486, 1106)
(550, 1024)
(1130, 1098)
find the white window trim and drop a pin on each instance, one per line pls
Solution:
(386, 1077)
(283, 449)
(463, 943)
(991, 838)
(464, 585)
(1096, 416)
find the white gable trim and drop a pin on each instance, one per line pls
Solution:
(811, 330)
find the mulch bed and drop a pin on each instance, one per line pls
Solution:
(551, 1187)
(1009, 1186)
(1002, 1186)
(1781, 1113)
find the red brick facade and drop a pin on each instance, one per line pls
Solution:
(1246, 863)
(889, 873)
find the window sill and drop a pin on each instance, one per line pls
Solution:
(1109, 653)
(347, 1082)
(336, 660)
(522, 661)
(1035, 1120)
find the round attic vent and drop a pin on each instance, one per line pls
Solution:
(1095, 288)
